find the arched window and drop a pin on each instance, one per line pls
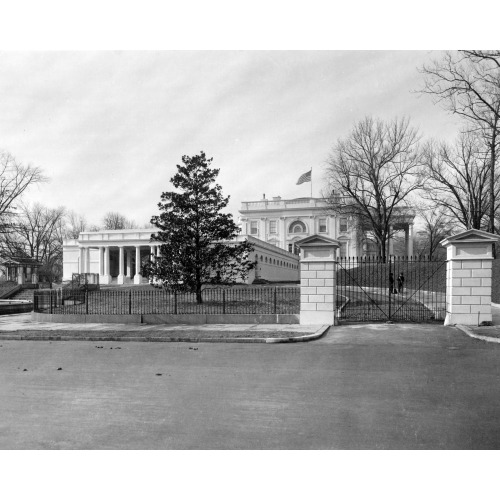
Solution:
(297, 227)
(266, 260)
(261, 258)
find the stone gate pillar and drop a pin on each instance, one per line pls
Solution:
(468, 277)
(317, 280)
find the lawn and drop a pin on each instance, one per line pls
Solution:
(237, 300)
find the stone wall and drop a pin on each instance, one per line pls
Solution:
(317, 288)
(468, 289)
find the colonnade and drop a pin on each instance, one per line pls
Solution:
(408, 229)
(125, 256)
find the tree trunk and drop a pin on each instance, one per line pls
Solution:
(199, 298)
(492, 191)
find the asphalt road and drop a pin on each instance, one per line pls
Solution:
(360, 387)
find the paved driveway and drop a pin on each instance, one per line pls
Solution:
(368, 387)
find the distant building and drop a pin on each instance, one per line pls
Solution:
(22, 270)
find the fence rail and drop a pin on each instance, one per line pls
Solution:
(262, 300)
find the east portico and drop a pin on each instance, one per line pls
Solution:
(117, 256)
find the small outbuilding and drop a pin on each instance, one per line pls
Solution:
(19, 269)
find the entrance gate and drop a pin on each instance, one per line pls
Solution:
(368, 289)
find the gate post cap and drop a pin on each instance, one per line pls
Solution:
(317, 247)
(471, 236)
(470, 244)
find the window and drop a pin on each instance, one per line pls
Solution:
(343, 250)
(343, 225)
(322, 225)
(254, 227)
(273, 229)
(297, 227)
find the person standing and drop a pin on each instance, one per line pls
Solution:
(401, 282)
(391, 283)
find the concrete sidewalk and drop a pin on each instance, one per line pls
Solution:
(486, 333)
(21, 327)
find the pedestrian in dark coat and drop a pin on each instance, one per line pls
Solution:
(391, 283)
(401, 282)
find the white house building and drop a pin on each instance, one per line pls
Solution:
(272, 226)
(117, 256)
(283, 222)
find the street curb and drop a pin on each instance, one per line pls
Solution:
(303, 338)
(470, 333)
(101, 338)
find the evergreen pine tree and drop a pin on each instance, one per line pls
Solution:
(196, 237)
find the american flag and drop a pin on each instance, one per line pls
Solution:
(305, 177)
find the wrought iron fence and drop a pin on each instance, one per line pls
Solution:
(398, 289)
(262, 300)
(84, 281)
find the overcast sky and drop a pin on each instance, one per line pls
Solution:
(108, 128)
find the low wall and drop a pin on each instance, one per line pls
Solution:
(170, 319)
(15, 306)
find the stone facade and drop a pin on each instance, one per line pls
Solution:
(468, 291)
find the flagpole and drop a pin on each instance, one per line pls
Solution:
(311, 182)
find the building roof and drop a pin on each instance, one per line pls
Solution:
(19, 261)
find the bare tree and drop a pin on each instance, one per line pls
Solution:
(38, 234)
(115, 220)
(459, 178)
(15, 178)
(467, 83)
(372, 174)
(436, 226)
(75, 224)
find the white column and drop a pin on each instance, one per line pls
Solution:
(20, 275)
(138, 276)
(101, 261)
(87, 260)
(410, 240)
(129, 264)
(121, 272)
(82, 260)
(106, 279)
(282, 233)
(152, 253)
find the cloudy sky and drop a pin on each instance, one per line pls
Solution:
(108, 128)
